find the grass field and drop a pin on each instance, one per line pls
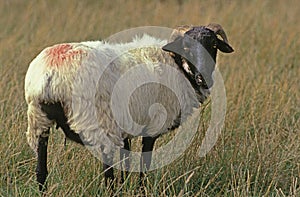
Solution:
(258, 152)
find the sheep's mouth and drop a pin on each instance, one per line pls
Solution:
(200, 81)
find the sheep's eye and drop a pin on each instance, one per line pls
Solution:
(186, 49)
(214, 46)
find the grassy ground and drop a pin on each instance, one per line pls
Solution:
(258, 153)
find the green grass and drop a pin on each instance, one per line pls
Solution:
(258, 152)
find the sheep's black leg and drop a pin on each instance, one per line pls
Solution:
(148, 144)
(108, 171)
(124, 154)
(41, 168)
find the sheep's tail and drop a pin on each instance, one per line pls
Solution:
(38, 125)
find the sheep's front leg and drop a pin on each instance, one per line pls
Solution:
(148, 144)
(124, 154)
(41, 168)
(108, 170)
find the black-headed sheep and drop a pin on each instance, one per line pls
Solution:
(72, 85)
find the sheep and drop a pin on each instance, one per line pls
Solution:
(72, 84)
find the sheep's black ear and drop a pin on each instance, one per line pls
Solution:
(175, 46)
(224, 47)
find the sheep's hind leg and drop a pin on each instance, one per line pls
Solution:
(148, 144)
(124, 155)
(41, 168)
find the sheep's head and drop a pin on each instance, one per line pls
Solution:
(197, 48)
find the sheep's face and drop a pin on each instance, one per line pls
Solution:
(198, 50)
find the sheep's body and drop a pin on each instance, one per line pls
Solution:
(68, 72)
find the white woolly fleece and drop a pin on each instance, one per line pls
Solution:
(92, 79)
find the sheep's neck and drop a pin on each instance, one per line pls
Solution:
(189, 75)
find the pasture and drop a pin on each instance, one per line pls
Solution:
(258, 151)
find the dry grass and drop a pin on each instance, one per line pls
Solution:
(259, 150)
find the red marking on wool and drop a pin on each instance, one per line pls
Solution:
(62, 53)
